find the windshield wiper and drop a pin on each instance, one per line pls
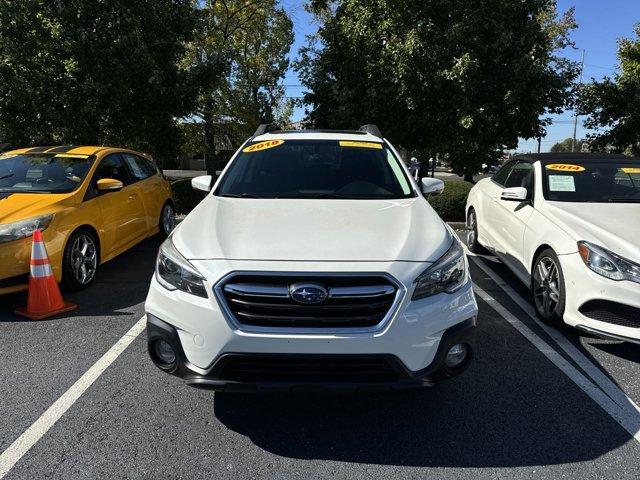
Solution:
(624, 200)
(9, 175)
(236, 195)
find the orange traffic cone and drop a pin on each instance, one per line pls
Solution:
(44, 299)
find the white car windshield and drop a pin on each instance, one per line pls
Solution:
(316, 169)
(588, 181)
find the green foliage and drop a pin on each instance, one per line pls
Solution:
(464, 79)
(450, 204)
(185, 197)
(613, 105)
(565, 145)
(249, 42)
(86, 72)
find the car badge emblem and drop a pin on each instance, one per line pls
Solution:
(308, 293)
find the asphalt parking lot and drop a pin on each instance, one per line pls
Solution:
(534, 404)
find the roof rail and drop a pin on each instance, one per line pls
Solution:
(265, 128)
(372, 129)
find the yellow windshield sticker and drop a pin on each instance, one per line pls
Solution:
(630, 170)
(256, 147)
(565, 167)
(70, 155)
(344, 143)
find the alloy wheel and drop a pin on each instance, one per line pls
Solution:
(84, 259)
(168, 219)
(546, 286)
(471, 228)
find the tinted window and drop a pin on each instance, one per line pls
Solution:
(316, 169)
(112, 167)
(148, 165)
(43, 172)
(501, 175)
(602, 181)
(521, 176)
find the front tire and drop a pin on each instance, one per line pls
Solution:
(548, 288)
(80, 260)
(167, 221)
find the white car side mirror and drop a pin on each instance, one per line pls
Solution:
(514, 194)
(432, 186)
(202, 183)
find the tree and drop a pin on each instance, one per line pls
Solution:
(612, 106)
(566, 144)
(248, 41)
(462, 79)
(86, 72)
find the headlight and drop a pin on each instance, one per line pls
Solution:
(24, 228)
(174, 272)
(607, 263)
(448, 274)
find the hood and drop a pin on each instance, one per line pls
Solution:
(614, 226)
(312, 230)
(20, 206)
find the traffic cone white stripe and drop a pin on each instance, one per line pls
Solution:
(40, 271)
(38, 252)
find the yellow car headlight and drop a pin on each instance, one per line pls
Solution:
(23, 228)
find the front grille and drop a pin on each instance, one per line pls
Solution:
(352, 301)
(612, 312)
(305, 369)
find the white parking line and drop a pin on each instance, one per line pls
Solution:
(597, 375)
(42, 425)
(626, 418)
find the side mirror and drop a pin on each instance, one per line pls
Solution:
(202, 183)
(514, 194)
(432, 186)
(109, 185)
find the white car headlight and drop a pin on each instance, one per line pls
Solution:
(607, 263)
(23, 228)
(447, 274)
(174, 272)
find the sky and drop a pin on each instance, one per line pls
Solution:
(600, 24)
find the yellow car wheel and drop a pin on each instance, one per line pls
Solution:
(80, 260)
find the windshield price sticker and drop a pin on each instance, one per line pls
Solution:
(562, 183)
(565, 167)
(70, 155)
(256, 147)
(630, 169)
(344, 143)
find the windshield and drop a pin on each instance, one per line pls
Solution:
(315, 169)
(605, 181)
(43, 173)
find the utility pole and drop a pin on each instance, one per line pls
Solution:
(575, 119)
(539, 142)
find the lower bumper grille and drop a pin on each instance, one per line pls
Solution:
(612, 312)
(308, 301)
(305, 369)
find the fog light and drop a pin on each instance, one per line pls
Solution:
(164, 351)
(456, 355)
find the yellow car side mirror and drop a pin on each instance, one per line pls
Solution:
(109, 185)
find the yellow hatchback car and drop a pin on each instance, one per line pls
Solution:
(91, 203)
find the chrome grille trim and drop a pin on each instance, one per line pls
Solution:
(242, 292)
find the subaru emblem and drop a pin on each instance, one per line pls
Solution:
(308, 292)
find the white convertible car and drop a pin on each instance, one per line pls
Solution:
(568, 225)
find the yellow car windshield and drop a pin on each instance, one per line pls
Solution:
(42, 173)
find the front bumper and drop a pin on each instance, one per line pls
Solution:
(259, 372)
(15, 258)
(584, 286)
(412, 337)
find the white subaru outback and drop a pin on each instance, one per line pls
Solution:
(314, 262)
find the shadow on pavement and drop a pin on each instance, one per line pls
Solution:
(119, 284)
(511, 408)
